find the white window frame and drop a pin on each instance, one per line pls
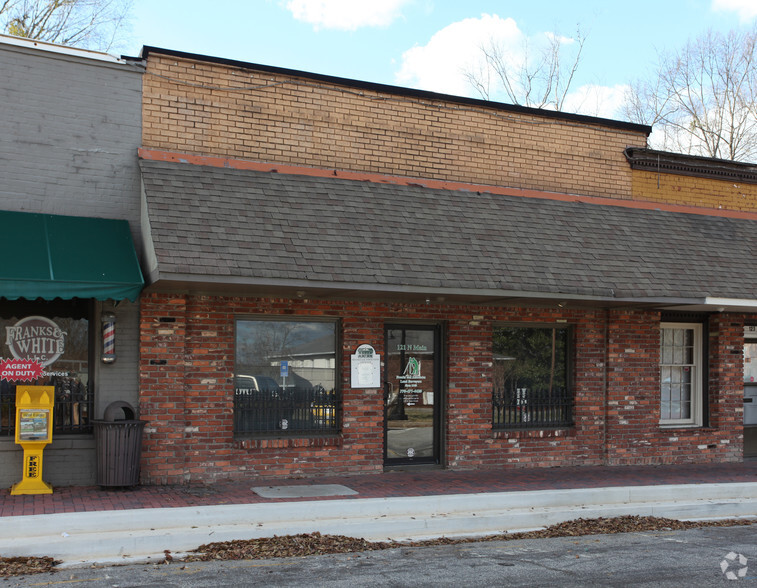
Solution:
(697, 366)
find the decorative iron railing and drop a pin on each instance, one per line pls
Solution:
(285, 411)
(528, 408)
(72, 411)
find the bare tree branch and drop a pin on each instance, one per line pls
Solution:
(701, 99)
(540, 80)
(93, 24)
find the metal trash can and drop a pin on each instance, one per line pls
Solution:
(118, 438)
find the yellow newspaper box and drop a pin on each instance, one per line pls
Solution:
(34, 430)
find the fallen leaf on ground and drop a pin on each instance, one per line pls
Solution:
(317, 544)
(21, 566)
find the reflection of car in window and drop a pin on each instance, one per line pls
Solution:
(259, 404)
(247, 384)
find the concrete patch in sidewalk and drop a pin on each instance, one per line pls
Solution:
(303, 491)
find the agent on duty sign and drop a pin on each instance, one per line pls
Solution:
(366, 368)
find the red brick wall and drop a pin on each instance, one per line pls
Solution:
(633, 401)
(633, 410)
(726, 377)
(186, 392)
(471, 441)
(162, 387)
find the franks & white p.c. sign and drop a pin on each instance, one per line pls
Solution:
(35, 338)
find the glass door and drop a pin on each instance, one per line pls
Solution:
(411, 394)
(750, 392)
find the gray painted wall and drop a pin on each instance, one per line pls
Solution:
(69, 132)
(119, 380)
(70, 126)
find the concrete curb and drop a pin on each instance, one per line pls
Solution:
(144, 535)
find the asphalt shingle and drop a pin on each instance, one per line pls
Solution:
(219, 222)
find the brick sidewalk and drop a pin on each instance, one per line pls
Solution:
(382, 485)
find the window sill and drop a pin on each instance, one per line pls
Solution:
(329, 440)
(669, 426)
(542, 432)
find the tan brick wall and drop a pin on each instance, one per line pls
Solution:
(210, 109)
(694, 191)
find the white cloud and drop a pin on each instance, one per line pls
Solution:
(439, 65)
(347, 15)
(746, 9)
(562, 40)
(594, 100)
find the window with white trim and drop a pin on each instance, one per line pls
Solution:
(681, 374)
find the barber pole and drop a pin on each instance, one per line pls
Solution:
(109, 337)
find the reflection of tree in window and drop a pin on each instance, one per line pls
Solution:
(257, 341)
(530, 358)
(76, 350)
(531, 377)
(263, 345)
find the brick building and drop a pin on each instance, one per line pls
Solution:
(688, 180)
(345, 276)
(69, 205)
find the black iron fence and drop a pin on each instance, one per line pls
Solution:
(285, 411)
(72, 411)
(528, 408)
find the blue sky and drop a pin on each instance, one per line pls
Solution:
(428, 44)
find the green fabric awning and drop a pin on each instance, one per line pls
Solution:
(50, 256)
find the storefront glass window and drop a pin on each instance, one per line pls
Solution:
(285, 377)
(47, 344)
(532, 377)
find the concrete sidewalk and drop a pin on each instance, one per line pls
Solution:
(83, 525)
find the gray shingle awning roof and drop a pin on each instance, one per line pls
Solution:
(254, 229)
